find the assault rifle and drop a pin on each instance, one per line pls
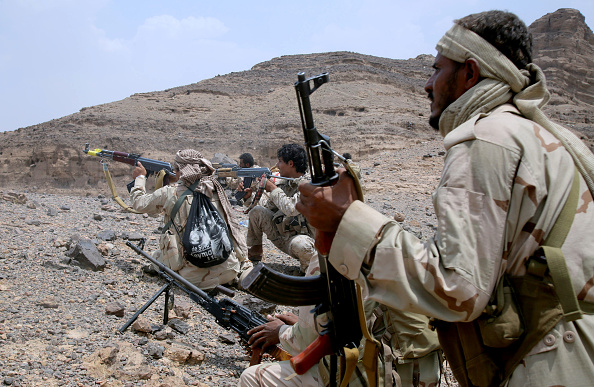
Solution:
(248, 175)
(228, 313)
(151, 166)
(330, 291)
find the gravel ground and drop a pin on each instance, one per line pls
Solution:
(59, 322)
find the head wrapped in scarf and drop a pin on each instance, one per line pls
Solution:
(503, 82)
(192, 166)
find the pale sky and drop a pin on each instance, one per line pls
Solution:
(58, 56)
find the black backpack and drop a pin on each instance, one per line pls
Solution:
(206, 239)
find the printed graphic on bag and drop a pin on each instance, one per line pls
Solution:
(206, 238)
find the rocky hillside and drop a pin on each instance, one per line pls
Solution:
(371, 106)
(564, 45)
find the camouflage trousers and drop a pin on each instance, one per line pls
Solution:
(297, 246)
(279, 374)
(207, 278)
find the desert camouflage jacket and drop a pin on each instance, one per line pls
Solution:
(163, 200)
(504, 183)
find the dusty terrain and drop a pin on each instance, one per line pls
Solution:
(55, 329)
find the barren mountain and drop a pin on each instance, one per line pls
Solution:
(370, 106)
(565, 50)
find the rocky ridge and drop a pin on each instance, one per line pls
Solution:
(60, 319)
(371, 105)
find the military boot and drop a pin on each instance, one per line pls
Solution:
(255, 253)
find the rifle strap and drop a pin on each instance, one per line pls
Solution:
(370, 359)
(258, 195)
(554, 256)
(159, 178)
(113, 190)
(355, 174)
(371, 347)
(348, 364)
(178, 204)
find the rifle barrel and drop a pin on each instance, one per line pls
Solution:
(169, 272)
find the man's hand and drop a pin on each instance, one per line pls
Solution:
(270, 186)
(248, 191)
(266, 335)
(323, 207)
(139, 170)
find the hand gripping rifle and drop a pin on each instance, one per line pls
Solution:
(330, 291)
(163, 170)
(248, 175)
(228, 313)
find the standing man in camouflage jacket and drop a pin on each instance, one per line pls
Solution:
(277, 217)
(508, 174)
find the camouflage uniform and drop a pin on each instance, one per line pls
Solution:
(411, 339)
(503, 185)
(170, 246)
(283, 225)
(294, 339)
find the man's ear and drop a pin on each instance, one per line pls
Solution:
(473, 73)
(290, 163)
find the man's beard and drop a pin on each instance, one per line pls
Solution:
(448, 98)
(434, 122)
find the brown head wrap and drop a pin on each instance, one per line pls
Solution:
(192, 166)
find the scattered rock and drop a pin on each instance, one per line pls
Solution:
(156, 351)
(13, 197)
(183, 309)
(86, 255)
(115, 309)
(142, 325)
(227, 339)
(179, 325)
(49, 302)
(107, 235)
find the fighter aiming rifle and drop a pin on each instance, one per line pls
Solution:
(330, 291)
(162, 170)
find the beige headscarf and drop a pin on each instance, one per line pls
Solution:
(193, 166)
(502, 82)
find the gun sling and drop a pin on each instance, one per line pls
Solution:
(158, 184)
(113, 190)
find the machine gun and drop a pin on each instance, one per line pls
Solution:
(151, 166)
(228, 313)
(330, 291)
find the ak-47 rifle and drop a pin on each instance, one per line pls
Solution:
(228, 313)
(248, 175)
(151, 166)
(330, 291)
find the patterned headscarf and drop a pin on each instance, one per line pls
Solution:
(193, 166)
(503, 80)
